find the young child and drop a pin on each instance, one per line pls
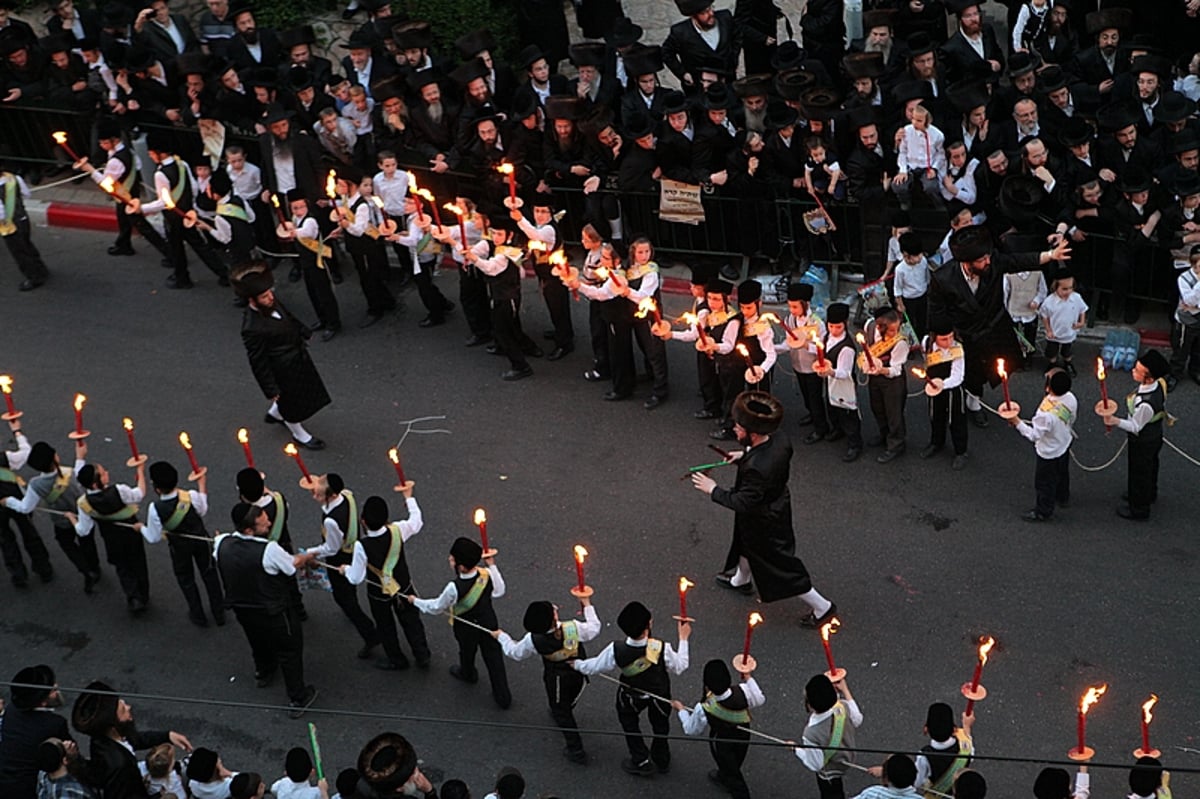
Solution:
(297, 770)
(1148, 780)
(1024, 293)
(920, 158)
(948, 752)
(756, 336)
(315, 259)
(358, 112)
(54, 767)
(642, 281)
(509, 785)
(804, 326)
(424, 253)
(945, 368)
(899, 775)
(360, 220)
(1146, 410)
(835, 364)
(336, 135)
(912, 283)
(710, 306)
(886, 352)
(247, 785)
(391, 185)
(1063, 314)
(831, 723)
(1185, 337)
(347, 784)
(901, 223)
(1055, 783)
(1051, 432)
(207, 777)
(162, 773)
(723, 713)
(1030, 20)
(822, 175)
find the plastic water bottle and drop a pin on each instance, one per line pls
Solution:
(1128, 350)
(1108, 352)
(819, 279)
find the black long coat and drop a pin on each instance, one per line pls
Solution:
(281, 364)
(762, 526)
(114, 769)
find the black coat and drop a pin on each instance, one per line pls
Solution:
(279, 359)
(961, 61)
(114, 769)
(685, 52)
(162, 45)
(24, 731)
(306, 161)
(762, 526)
(89, 17)
(272, 52)
(980, 318)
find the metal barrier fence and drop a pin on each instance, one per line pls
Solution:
(735, 228)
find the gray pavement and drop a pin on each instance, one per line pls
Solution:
(921, 560)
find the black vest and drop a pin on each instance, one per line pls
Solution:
(939, 370)
(752, 344)
(655, 680)
(8, 488)
(547, 644)
(886, 358)
(940, 759)
(720, 728)
(125, 156)
(285, 537)
(119, 542)
(1157, 400)
(173, 172)
(341, 516)
(241, 241)
(191, 524)
(505, 286)
(831, 353)
(483, 613)
(247, 584)
(376, 547)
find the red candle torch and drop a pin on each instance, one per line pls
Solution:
(684, 585)
(394, 457)
(580, 554)
(1083, 751)
(186, 442)
(830, 627)
(127, 423)
(744, 351)
(481, 523)
(753, 621)
(461, 213)
(972, 690)
(243, 437)
(6, 384)
(510, 173)
(1000, 370)
(60, 138)
(293, 452)
(648, 306)
(816, 340)
(692, 319)
(79, 432)
(862, 342)
(1147, 717)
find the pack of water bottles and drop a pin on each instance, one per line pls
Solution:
(1120, 350)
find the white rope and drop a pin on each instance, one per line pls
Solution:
(1171, 444)
(408, 428)
(43, 186)
(1101, 468)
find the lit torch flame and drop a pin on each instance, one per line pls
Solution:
(425, 194)
(985, 646)
(647, 305)
(1147, 716)
(830, 627)
(394, 455)
(186, 441)
(165, 195)
(743, 351)
(60, 136)
(275, 200)
(580, 553)
(79, 400)
(919, 372)
(108, 185)
(243, 435)
(685, 584)
(1000, 370)
(412, 183)
(505, 169)
(558, 258)
(331, 185)
(861, 339)
(1100, 373)
(1092, 697)
(534, 245)
(602, 272)
(755, 619)
(455, 209)
(6, 384)
(770, 317)
(375, 198)
(480, 516)
(690, 318)
(290, 449)
(127, 423)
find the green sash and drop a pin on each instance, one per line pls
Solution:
(1131, 403)
(61, 483)
(181, 184)
(1055, 408)
(839, 730)
(654, 648)
(387, 582)
(946, 781)
(124, 514)
(280, 517)
(232, 211)
(10, 202)
(570, 643)
(9, 476)
(469, 601)
(715, 709)
(181, 509)
(351, 535)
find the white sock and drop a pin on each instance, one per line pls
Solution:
(973, 402)
(615, 226)
(819, 604)
(742, 575)
(298, 432)
(273, 411)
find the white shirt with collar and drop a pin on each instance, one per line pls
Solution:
(152, 530)
(85, 523)
(812, 756)
(275, 559)
(449, 595)
(588, 629)
(695, 721)
(675, 662)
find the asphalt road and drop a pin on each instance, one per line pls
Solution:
(921, 560)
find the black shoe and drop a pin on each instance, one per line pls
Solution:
(705, 413)
(387, 664)
(805, 420)
(298, 706)
(613, 396)
(477, 339)
(814, 621)
(262, 680)
(294, 274)
(175, 283)
(1033, 516)
(365, 652)
(929, 452)
(835, 435)
(198, 620)
(889, 455)
(29, 285)
(653, 402)
(1126, 512)
(725, 434)
(593, 376)
(814, 437)
(512, 375)
(492, 349)
(851, 455)
(746, 589)
(534, 352)
(875, 441)
(89, 582)
(1070, 367)
(371, 319)
(575, 755)
(313, 443)
(137, 605)
(559, 353)
(430, 321)
(117, 250)
(979, 418)
(960, 462)
(328, 334)
(638, 769)
(1172, 381)
(269, 419)
(457, 673)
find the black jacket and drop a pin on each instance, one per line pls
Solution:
(961, 61)
(24, 731)
(306, 160)
(280, 362)
(114, 769)
(685, 52)
(272, 52)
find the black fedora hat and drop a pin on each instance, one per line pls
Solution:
(863, 65)
(472, 44)
(1187, 184)
(792, 83)
(294, 37)
(1117, 116)
(625, 33)
(1020, 196)
(1076, 131)
(1134, 180)
(821, 102)
(788, 55)
(758, 85)
(639, 124)
(781, 115)
(643, 60)
(413, 34)
(920, 43)
(1173, 107)
(469, 71)
(1051, 79)
(1183, 142)
(563, 107)
(717, 97)
(275, 113)
(529, 56)
(674, 102)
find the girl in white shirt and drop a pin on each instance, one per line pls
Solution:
(1063, 314)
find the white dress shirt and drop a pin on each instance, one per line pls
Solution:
(588, 629)
(695, 721)
(449, 595)
(275, 559)
(676, 662)
(152, 530)
(85, 523)
(357, 572)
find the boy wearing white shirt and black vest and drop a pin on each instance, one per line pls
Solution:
(725, 714)
(887, 384)
(340, 527)
(1146, 409)
(469, 597)
(15, 230)
(259, 575)
(554, 293)
(646, 665)
(1051, 432)
(948, 752)
(179, 511)
(123, 169)
(380, 560)
(360, 220)
(1148, 780)
(252, 489)
(756, 336)
(945, 368)
(836, 366)
(829, 733)
(425, 253)
(315, 258)
(114, 507)
(55, 485)
(11, 487)
(804, 326)
(560, 643)
(1055, 783)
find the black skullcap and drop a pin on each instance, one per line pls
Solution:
(1052, 783)
(335, 482)
(900, 770)
(87, 476)
(539, 617)
(970, 785)
(243, 515)
(1155, 363)
(939, 721)
(716, 676)
(820, 693)
(244, 785)
(837, 313)
(375, 512)
(346, 782)
(41, 457)
(1059, 382)
(250, 483)
(202, 765)
(49, 756)
(509, 783)
(466, 552)
(298, 764)
(749, 291)
(164, 476)
(1145, 776)
(633, 619)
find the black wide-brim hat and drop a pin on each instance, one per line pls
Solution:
(757, 412)
(250, 283)
(625, 32)
(1119, 18)
(863, 65)
(294, 37)
(41, 678)
(94, 713)
(386, 762)
(1173, 107)
(1075, 131)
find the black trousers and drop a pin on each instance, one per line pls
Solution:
(177, 235)
(472, 641)
(655, 350)
(127, 223)
(1142, 482)
(949, 407)
(630, 707)
(39, 558)
(125, 550)
(25, 252)
(620, 354)
(731, 374)
(187, 558)
(473, 297)
(386, 613)
(849, 422)
(729, 756)
(598, 329)
(888, 396)
(830, 789)
(1185, 349)
(1052, 482)
(710, 382)
(318, 284)
(511, 338)
(80, 551)
(812, 389)
(346, 597)
(431, 296)
(563, 687)
(371, 263)
(276, 642)
(558, 303)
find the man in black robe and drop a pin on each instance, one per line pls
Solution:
(764, 542)
(276, 346)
